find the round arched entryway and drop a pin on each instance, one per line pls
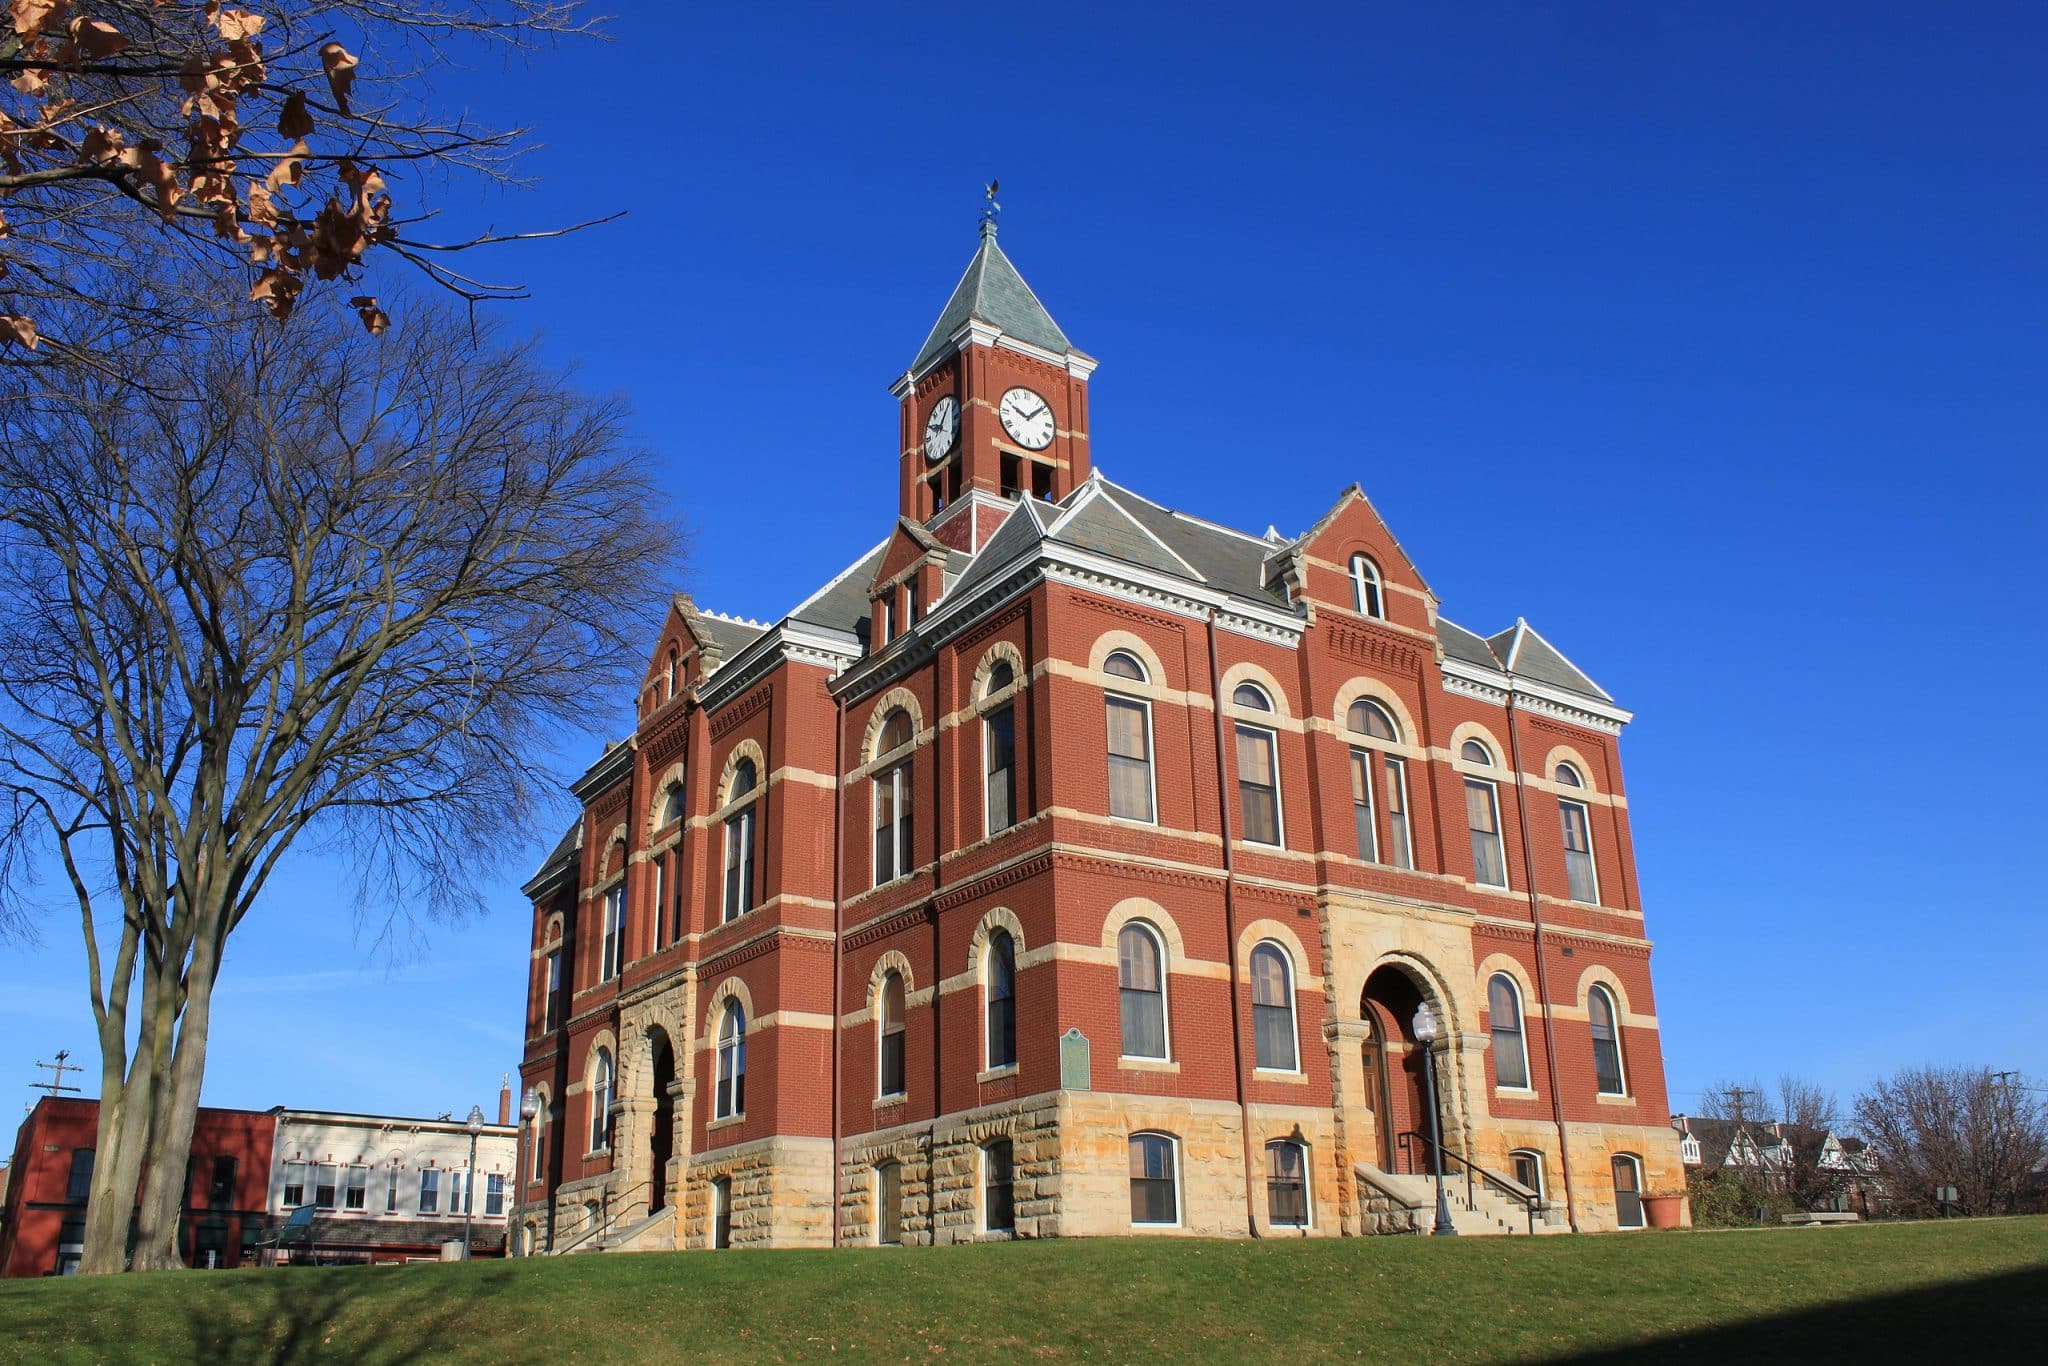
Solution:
(1395, 1086)
(661, 1139)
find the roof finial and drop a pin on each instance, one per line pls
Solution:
(990, 211)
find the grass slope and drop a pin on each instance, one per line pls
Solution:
(1963, 1292)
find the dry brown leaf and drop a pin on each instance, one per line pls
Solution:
(275, 290)
(289, 168)
(96, 38)
(375, 319)
(235, 24)
(19, 330)
(99, 144)
(341, 72)
(293, 121)
(32, 17)
(261, 210)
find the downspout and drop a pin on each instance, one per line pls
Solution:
(838, 935)
(1564, 1160)
(1244, 1124)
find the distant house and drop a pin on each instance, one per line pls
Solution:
(1833, 1172)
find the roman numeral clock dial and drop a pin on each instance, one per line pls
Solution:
(1027, 418)
(940, 428)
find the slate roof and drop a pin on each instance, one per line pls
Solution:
(994, 293)
(563, 852)
(1529, 655)
(843, 603)
(730, 635)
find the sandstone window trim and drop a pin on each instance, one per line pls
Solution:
(999, 998)
(729, 1099)
(1276, 1044)
(1128, 723)
(603, 1087)
(742, 834)
(1289, 1198)
(1603, 1022)
(891, 1038)
(1368, 589)
(998, 1172)
(1143, 1008)
(1510, 1036)
(1155, 1179)
(1626, 1171)
(1582, 874)
(1528, 1167)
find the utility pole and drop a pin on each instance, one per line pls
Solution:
(55, 1085)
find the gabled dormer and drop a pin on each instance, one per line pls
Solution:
(1350, 561)
(691, 646)
(907, 584)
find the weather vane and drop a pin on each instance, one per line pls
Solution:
(990, 211)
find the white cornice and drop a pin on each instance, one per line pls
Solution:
(975, 332)
(1500, 689)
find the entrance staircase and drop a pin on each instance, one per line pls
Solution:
(1483, 1212)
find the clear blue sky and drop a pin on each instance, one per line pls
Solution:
(1710, 338)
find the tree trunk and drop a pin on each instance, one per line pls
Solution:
(124, 1128)
(167, 1179)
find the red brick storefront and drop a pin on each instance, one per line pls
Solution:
(1068, 863)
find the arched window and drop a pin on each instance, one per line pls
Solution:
(999, 751)
(1155, 1185)
(672, 804)
(1482, 818)
(1366, 594)
(999, 981)
(890, 1010)
(1130, 743)
(1578, 839)
(888, 1204)
(740, 836)
(1141, 979)
(732, 1062)
(892, 800)
(998, 1186)
(612, 951)
(1273, 1031)
(1528, 1165)
(1371, 728)
(1628, 1190)
(543, 1120)
(603, 1083)
(673, 661)
(1287, 1202)
(1510, 1045)
(1602, 1016)
(1258, 770)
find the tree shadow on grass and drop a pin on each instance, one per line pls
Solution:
(1989, 1319)
(303, 1314)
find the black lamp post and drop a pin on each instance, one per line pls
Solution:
(1425, 1034)
(476, 1126)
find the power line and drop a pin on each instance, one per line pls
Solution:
(55, 1085)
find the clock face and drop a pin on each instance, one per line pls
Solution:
(941, 428)
(1027, 418)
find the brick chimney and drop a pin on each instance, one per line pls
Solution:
(505, 1099)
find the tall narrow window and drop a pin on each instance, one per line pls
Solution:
(540, 1141)
(1130, 743)
(602, 1082)
(551, 989)
(1366, 593)
(1273, 1030)
(1361, 805)
(494, 1194)
(721, 1212)
(430, 1191)
(999, 751)
(732, 1063)
(1155, 1197)
(391, 1191)
(1601, 1015)
(1510, 1045)
(888, 619)
(1258, 772)
(892, 800)
(658, 920)
(1482, 817)
(294, 1185)
(1374, 729)
(1141, 981)
(1528, 1164)
(1578, 839)
(890, 1062)
(1286, 1184)
(325, 1184)
(672, 805)
(355, 1194)
(79, 1187)
(1399, 846)
(998, 1187)
(1628, 1191)
(739, 842)
(889, 1204)
(614, 945)
(912, 607)
(1001, 986)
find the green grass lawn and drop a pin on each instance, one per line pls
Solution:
(1960, 1292)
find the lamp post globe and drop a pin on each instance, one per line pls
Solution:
(1425, 1027)
(476, 1126)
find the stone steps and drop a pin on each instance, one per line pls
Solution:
(1489, 1214)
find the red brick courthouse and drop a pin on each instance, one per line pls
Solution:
(1071, 865)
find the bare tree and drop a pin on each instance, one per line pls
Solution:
(1740, 1101)
(1787, 1130)
(1964, 1127)
(275, 592)
(267, 143)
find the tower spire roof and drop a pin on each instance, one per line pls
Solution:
(992, 292)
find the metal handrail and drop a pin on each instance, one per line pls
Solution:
(605, 1220)
(1529, 1202)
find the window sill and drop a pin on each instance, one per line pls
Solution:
(1148, 822)
(1515, 1092)
(1287, 1077)
(891, 1101)
(595, 1153)
(1130, 1064)
(1605, 1099)
(1003, 1073)
(729, 1122)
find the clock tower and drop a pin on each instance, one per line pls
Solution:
(995, 407)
